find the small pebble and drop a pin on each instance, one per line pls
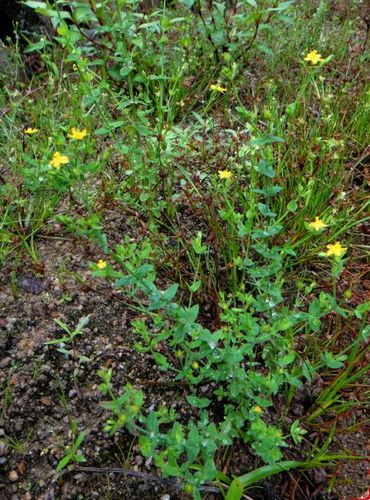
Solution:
(13, 476)
(3, 447)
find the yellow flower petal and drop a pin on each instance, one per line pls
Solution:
(336, 250)
(317, 224)
(218, 88)
(225, 174)
(31, 131)
(313, 57)
(77, 134)
(257, 409)
(58, 160)
(102, 264)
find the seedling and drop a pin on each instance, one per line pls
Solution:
(69, 338)
(73, 453)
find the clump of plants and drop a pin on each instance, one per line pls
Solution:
(230, 177)
(247, 361)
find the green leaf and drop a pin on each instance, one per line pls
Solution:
(5, 237)
(176, 435)
(235, 491)
(170, 293)
(111, 126)
(192, 445)
(82, 323)
(362, 310)
(79, 440)
(267, 232)
(83, 13)
(195, 286)
(265, 169)
(307, 370)
(281, 7)
(219, 37)
(92, 97)
(332, 361)
(80, 458)
(365, 333)
(43, 9)
(35, 5)
(190, 314)
(297, 432)
(265, 49)
(146, 446)
(188, 3)
(265, 210)
(198, 402)
(268, 191)
(267, 471)
(160, 360)
(267, 139)
(292, 206)
(33, 47)
(197, 246)
(65, 461)
(287, 359)
(152, 422)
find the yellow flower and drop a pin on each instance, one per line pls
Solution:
(337, 250)
(257, 409)
(225, 174)
(317, 224)
(77, 134)
(195, 365)
(122, 419)
(313, 57)
(218, 88)
(59, 160)
(31, 131)
(102, 264)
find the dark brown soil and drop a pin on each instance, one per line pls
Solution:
(14, 15)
